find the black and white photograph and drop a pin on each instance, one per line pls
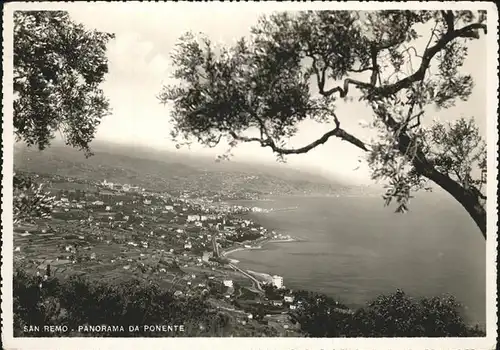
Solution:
(293, 175)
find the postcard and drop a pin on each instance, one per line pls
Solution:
(254, 175)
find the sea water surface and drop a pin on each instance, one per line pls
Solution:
(354, 248)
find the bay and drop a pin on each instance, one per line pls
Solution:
(353, 248)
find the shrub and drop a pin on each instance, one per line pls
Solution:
(393, 315)
(79, 301)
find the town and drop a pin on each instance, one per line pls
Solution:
(112, 232)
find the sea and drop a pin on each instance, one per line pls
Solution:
(354, 248)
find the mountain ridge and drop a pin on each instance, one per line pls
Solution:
(163, 170)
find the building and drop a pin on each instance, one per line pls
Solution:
(228, 283)
(277, 281)
(288, 298)
(192, 218)
(277, 302)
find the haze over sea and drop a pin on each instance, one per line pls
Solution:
(354, 248)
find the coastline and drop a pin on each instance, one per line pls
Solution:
(261, 243)
(263, 277)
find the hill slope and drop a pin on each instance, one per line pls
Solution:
(168, 171)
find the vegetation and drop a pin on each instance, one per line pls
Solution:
(30, 200)
(78, 301)
(393, 315)
(58, 67)
(263, 87)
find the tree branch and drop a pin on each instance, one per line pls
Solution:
(375, 71)
(360, 70)
(449, 18)
(430, 52)
(344, 91)
(468, 31)
(337, 132)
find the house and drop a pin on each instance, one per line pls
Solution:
(277, 281)
(293, 307)
(277, 302)
(228, 283)
(288, 298)
(192, 218)
(188, 245)
(178, 293)
(147, 201)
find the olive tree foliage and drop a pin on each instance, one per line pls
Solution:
(298, 66)
(30, 200)
(58, 67)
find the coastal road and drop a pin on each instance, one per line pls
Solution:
(255, 282)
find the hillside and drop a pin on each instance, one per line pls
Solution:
(168, 171)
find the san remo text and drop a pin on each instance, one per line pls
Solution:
(105, 328)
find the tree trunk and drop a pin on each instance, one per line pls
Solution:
(466, 197)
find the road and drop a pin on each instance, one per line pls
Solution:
(255, 282)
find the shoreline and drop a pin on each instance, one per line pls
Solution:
(262, 277)
(234, 250)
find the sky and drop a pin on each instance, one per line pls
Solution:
(139, 65)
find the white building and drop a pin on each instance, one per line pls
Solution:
(277, 281)
(288, 298)
(228, 283)
(188, 245)
(191, 218)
